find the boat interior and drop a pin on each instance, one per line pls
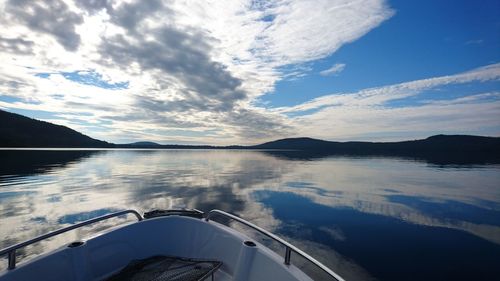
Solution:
(166, 245)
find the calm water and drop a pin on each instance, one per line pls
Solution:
(367, 218)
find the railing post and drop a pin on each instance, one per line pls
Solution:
(12, 259)
(288, 254)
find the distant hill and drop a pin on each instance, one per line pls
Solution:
(458, 149)
(142, 144)
(438, 143)
(297, 144)
(20, 131)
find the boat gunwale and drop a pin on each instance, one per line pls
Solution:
(11, 250)
(289, 248)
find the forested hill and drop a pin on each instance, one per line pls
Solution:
(457, 149)
(20, 131)
(438, 143)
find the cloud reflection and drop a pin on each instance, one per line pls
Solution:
(44, 193)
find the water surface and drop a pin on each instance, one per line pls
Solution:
(367, 218)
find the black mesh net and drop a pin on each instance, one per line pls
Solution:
(164, 268)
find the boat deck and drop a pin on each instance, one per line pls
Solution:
(156, 247)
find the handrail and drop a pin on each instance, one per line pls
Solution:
(11, 251)
(288, 247)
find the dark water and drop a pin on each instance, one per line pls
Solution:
(367, 218)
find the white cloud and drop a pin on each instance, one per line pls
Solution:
(200, 66)
(474, 42)
(189, 64)
(334, 70)
(379, 95)
(365, 115)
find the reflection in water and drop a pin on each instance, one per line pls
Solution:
(368, 218)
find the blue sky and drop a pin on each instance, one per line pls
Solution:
(241, 72)
(422, 39)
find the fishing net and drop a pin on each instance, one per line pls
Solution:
(165, 268)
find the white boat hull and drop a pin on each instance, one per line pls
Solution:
(104, 255)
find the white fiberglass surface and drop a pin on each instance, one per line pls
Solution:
(103, 255)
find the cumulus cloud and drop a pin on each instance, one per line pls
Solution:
(185, 64)
(181, 55)
(334, 70)
(52, 17)
(94, 6)
(16, 45)
(199, 66)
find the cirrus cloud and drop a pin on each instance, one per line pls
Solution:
(334, 70)
(128, 70)
(196, 65)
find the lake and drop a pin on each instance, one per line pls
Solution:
(366, 218)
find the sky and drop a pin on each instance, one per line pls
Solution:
(244, 72)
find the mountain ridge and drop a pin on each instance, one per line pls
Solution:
(143, 143)
(20, 131)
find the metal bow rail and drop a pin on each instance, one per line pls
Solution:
(289, 248)
(11, 251)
